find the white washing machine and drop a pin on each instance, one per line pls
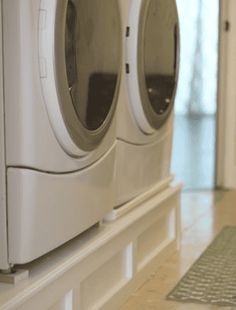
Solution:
(148, 86)
(62, 63)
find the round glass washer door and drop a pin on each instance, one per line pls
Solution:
(157, 58)
(86, 57)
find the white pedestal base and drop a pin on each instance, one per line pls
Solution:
(103, 266)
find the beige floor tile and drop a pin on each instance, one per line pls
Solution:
(203, 215)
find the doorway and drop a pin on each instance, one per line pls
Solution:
(194, 145)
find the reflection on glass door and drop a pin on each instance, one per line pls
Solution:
(196, 102)
(92, 58)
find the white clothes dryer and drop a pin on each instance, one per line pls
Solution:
(62, 63)
(146, 98)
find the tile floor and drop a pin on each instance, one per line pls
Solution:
(204, 214)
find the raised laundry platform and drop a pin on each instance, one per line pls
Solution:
(103, 266)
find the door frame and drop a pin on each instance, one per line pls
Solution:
(226, 115)
(3, 173)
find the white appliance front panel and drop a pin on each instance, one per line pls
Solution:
(126, 124)
(152, 57)
(139, 167)
(46, 210)
(77, 71)
(30, 141)
(132, 124)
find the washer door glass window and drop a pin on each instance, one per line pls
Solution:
(92, 58)
(159, 59)
(87, 66)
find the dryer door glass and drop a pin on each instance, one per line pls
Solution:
(92, 55)
(159, 58)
